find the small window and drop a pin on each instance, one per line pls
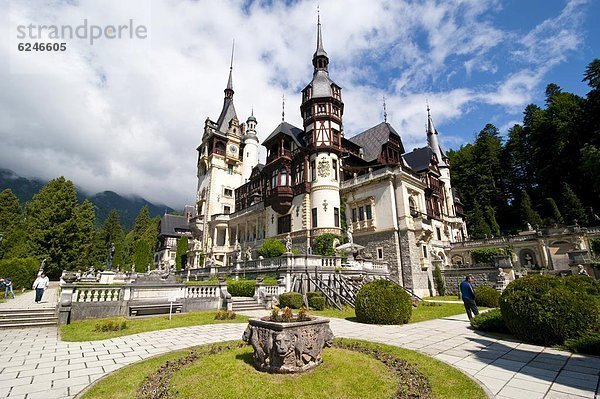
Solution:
(284, 224)
(369, 212)
(354, 214)
(336, 217)
(424, 251)
(335, 169)
(380, 253)
(226, 210)
(228, 192)
(438, 233)
(314, 217)
(313, 171)
(361, 213)
(229, 169)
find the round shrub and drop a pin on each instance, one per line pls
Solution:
(317, 302)
(487, 296)
(241, 287)
(491, 321)
(22, 271)
(383, 302)
(548, 310)
(292, 300)
(588, 343)
(311, 294)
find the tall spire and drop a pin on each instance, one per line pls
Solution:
(229, 90)
(320, 59)
(283, 107)
(384, 111)
(432, 140)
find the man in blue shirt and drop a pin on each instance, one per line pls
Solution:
(468, 296)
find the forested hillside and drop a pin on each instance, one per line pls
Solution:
(545, 173)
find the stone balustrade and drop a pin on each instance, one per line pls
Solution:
(85, 301)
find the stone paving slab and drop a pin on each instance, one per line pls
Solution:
(40, 365)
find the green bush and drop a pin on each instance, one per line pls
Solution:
(317, 302)
(311, 294)
(271, 248)
(225, 315)
(484, 255)
(588, 343)
(439, 281)
(22, 271)
(548, 310)
(491, 321)
(324, 244)
(292, 300)
(383, 302)
(241, 287)
(111, 325)
(487, 296)
(583, 283)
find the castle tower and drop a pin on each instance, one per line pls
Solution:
(219, 174)
(322, 110)
(249, 148)
(443, 164)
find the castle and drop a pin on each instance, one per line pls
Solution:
(400, 206)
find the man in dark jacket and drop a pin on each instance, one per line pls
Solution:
(468, 296)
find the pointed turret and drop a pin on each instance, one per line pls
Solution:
(320, 59)
(228, 112)
(433, 142)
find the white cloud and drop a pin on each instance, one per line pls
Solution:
(128, 115)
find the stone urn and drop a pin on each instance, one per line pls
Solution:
(288, 347)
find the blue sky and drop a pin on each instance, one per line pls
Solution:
(127, 115)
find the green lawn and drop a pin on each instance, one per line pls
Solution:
(84, 330)
(443, 298)
(423, 312)
(344, 374)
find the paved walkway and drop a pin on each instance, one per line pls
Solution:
(26, 300)
(36, 364)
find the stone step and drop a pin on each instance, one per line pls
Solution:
(24, 312)
(30, 325)
(28, 320)
(255, 306)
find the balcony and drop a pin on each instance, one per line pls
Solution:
(281, 153)
(280, 198)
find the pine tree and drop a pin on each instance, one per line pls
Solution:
(13, 240)
(86, 232)
(10, 211)
(52, 225)
(181, 254)
(111, 233)
(527, 213)
(490, 217)
(478, 228)
(572, 209)
(553, 214)
(141, 223)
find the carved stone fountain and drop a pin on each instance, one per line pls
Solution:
(288, 347)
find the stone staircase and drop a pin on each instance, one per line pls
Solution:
(241, 304)
(20, 318)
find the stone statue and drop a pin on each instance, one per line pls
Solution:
(109, 258)
(529, 228)
(249, 253)
(335, 243)
(349, 235)
(288, 243)
(132, 268)
(582, 271)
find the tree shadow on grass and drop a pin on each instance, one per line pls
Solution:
(246, 358)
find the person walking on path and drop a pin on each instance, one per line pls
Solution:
(8, 287)
(39, 285)
(468, 296)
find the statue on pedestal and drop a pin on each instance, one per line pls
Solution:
(288, 243)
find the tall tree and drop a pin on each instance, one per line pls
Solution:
(478, 228)
(553, 215)
(86, 231)
(181, 253)
(52, 225)
(11, 224)
(527, 213)
(111, 232)
(572, 209)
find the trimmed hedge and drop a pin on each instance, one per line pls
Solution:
(292, 300)
(22, 271)
(588, 343)
(548, 310)
(311, 294)
(241, 287)
(383, 302)
(487, 296)
(317, 302)
(491, 321)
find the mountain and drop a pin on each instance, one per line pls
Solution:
(128, 207)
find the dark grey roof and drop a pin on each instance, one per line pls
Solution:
(419, 159)
(289, 130)
(455, 196)
(321, 85)
(372, 139)
(173, 225)
(227, 114)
